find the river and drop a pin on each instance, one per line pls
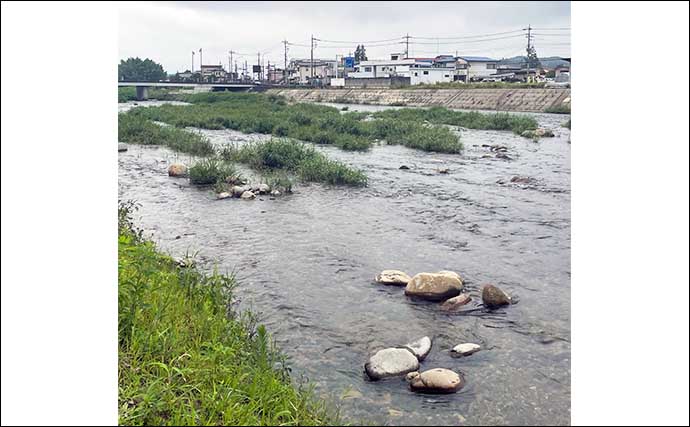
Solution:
(306, 262)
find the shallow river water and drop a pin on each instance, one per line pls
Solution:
(306, 262)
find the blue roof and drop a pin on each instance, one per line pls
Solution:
(477, 58)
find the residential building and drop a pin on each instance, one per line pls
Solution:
(477, 67)
(430, 75)
(300, 70)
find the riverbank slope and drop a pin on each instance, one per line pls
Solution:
(502, 99)
(184, 358)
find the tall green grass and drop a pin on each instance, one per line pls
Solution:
(319, 124)
(212, 171)
(469, 119)
(184, 358)
(559, 109)
(135, 129)
(296, 157)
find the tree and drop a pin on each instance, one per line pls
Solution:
(360, 54)
(532, 58)
(136, 69)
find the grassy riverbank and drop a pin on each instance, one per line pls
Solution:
(186, 359)
(319, 124)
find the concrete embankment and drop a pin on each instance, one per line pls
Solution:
(531, 100)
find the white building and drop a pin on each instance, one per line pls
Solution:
(475, 67)
(382, 69)
(430, 75)
(300, 70)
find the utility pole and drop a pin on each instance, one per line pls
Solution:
(258, 63)
(529, 49)
(201, 64)
(192, 62)
(407, 45)
(312, 57)
(285, 43)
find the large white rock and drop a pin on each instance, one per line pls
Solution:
(433, 286)
(393, 277)
(438, 380)
(223, 195)
(263, 188)
(466, 349)
(420, 348)
(391, 362)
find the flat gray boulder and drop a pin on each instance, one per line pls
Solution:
(391, 362)
(419, 348)
(465, 349)
(393, 277)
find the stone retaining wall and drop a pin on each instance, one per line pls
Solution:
(530, 100)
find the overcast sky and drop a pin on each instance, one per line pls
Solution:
(168, 32)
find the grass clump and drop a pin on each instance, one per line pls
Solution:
(295, 157)
(184, 358)
(559, 109)
(469, 119)
(134, 129)
(212, 171)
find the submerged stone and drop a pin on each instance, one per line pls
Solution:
(247, 195)
(493, 297)
(393, 277)
(455, 303)
(465, 349)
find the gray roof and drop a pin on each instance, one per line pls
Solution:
(478, 59)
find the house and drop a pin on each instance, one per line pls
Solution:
(300, 70)
(382, 68)
(477, 67)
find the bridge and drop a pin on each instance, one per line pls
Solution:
(143, 87)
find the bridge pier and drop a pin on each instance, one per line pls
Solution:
(142, 93)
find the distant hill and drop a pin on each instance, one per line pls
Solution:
(546, 62)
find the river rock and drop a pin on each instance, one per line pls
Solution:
(391, 362)
(247, 195)
(503, 156)
(419, 348)
(543, 133)
(237, 190)
(223, 195)
(465, 349)
(433, 286)
(521, 179)
(275, 193)
(444, 170)
(493, 297)
(177, 170)
(393, 277)
(404, 167)
(438, 380)
(263, 188)
(450, 273)
(454, 304)
(121, 147)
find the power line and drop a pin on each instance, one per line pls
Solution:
(358, 42)
(468, 41)
(467, 37)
